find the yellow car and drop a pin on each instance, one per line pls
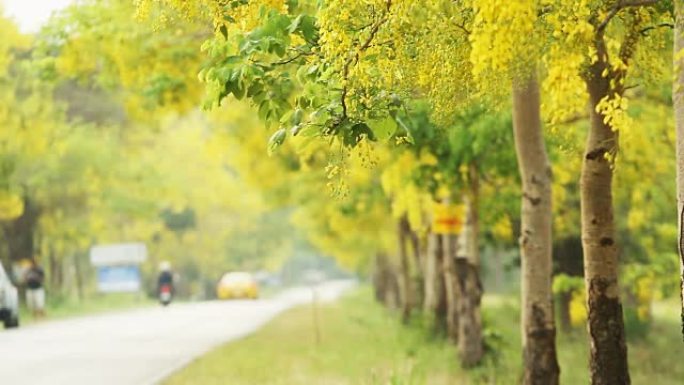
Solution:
(237, 285)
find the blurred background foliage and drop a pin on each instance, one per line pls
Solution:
(103, 139)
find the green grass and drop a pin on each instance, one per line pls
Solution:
(98, 303)
(362, 343)
(93, 304)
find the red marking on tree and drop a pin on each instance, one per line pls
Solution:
(449, 222)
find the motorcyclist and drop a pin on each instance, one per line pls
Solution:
(165, 277)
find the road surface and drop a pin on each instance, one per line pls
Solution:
(139, 347)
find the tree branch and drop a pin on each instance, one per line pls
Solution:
(625, 54)
(355, 58)
(573, 119)
(462, 27)
(629, 43)
(620, 5)
(652, 27)
(293, 58)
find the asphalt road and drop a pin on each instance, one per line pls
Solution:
(137, 347)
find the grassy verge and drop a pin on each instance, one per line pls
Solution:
(362, 343)
(95, 304)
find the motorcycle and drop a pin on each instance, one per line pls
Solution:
(165, 294)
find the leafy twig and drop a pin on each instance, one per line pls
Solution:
(620, 5)
(652, 27)
(355, 58)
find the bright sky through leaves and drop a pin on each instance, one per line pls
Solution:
(31, 14)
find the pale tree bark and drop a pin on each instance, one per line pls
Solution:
(451, 284)
(469, 287)
(538, 325)
(678, 100)
(430, 275)
(473, 215)
(608, 360)
(405, 281)
(419, 261)
(461, 265)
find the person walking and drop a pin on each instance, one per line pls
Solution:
(35, 290)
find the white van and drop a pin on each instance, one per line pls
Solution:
(9, 301)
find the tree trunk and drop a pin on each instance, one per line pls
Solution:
(472, 239)
(385, 282)
(435, 304)
(54, 271)
(419, 261)
(78, 276)
(441, 309)
(608, 363)
(4, 254)
(406, 283)
(469, 294)
(538, 324)
(469, 287)
(20, 233)
(452, 286)
(380, 277)
(678, 100)
(430, 280)
(564, 300)
(393, 296)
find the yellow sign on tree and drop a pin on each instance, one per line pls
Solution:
(447, 218)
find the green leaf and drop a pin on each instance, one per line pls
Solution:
(361, 130)
(395, 100)
(264, 108)
(312, 70)
(295, 24)
(276, 140)
(353, 135)
(254, 89)
(407, 136)
(279, 49)
(384, 129)
(297, 116)
(238, 91)
(228, 88)
(308, 28)
(287, 117)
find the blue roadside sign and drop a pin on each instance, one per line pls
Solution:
(124, 278)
